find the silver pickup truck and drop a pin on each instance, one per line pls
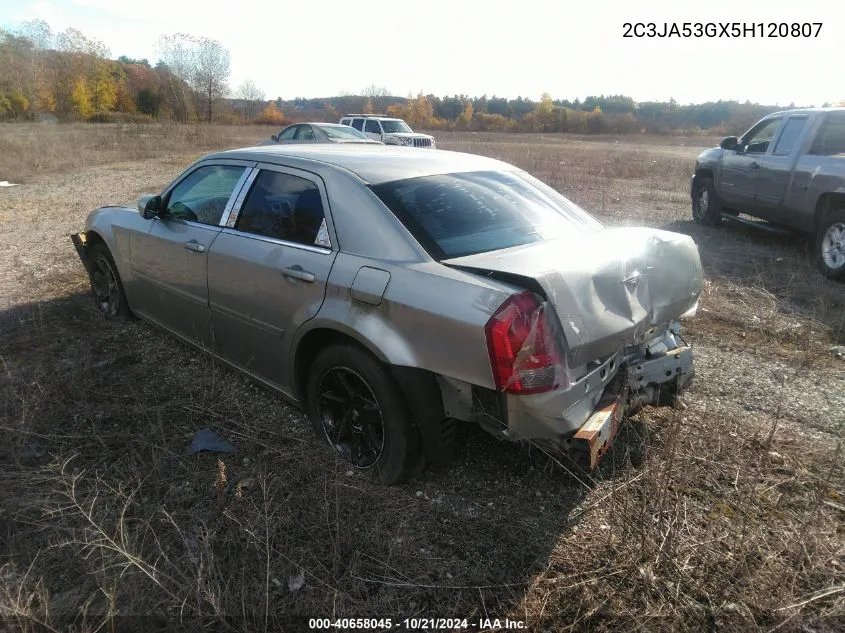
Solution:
(788, 169)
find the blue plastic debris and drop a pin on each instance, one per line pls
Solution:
(208, 440)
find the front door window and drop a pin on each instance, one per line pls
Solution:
(757, 141)
(202, 196)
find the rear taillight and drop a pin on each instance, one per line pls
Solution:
(523, 352)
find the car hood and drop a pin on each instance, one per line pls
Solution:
(609, 288)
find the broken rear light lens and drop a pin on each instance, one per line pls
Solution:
(523, 352)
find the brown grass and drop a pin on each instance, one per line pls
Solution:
(734, 522)
(27, 149)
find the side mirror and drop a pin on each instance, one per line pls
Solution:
(729, 142)
(149, 206)
(275, 138)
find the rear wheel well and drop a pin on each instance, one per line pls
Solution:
(827, 203)
(419, 388)
(306, 351)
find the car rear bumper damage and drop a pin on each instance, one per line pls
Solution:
(643, 380)
(585, 417)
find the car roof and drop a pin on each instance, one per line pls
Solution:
(374, 164)
(807, 110)
(375, 117)
(318, 123)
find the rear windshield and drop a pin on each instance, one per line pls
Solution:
(452, 215)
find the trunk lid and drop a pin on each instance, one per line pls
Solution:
(608, 288)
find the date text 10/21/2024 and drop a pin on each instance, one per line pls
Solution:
(426, 624)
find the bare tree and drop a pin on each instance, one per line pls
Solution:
(211, 77)
(179, 56)
(73, 41)
(251, 94)
(378, 95)
(17, 59)
(38, 32)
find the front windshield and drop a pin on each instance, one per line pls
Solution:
(344, 132)
(452, 215)
(393, 127)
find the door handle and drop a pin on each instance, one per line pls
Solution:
(296, 272)
(194, 246)
(755, 165)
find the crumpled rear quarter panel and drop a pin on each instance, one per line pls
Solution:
(609, 287)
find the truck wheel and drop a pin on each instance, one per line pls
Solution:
(706, 208)
(355, 405)
(830, 246)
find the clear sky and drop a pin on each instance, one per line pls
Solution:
(316, 48)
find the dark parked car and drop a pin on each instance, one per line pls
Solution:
(392, 293)
(789, 169)
(318, 133)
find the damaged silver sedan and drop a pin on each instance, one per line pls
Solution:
(392, 295)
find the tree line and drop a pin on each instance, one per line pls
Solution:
(612, 114)
(71, 76)
(74, 78)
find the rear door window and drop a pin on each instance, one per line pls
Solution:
(305, 133)
(830, 140)
(285, 207)
(372, 127)
(358, 124)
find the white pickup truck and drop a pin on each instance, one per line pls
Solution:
(789, 169)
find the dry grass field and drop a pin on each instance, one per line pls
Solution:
(734, 522)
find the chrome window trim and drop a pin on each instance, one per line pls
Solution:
(274, 240)
(227, 210)
(246, 164)
(211, 227)
(199, 225)
(231, 218)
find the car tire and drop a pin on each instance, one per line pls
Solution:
(356, 407)
(706, 208)
(106, 284)
(830, 245)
